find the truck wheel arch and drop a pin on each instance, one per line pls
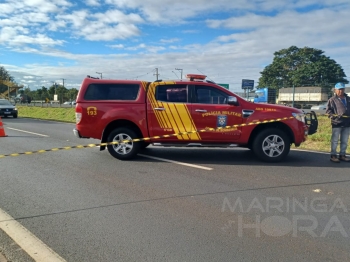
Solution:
(271, 145)
(124, 150)
(117, 124)
(276, 125)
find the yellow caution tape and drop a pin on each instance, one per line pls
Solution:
(337, 115)
(147, 138)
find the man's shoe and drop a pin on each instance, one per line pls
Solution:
(344, 158)
(334, 159)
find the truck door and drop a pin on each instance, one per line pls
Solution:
(168, 113)
(209, 109)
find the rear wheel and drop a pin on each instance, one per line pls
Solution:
(271, 145)
(125, 149)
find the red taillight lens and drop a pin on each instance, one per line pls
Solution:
(78, 114)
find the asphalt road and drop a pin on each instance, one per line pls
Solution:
(225, 205)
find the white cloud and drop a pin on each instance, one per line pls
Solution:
(92, 3)
(167, 41)
(233, 47)
(120, 46)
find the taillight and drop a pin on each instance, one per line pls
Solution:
(78, 114)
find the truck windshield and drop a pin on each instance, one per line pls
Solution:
(5, 102)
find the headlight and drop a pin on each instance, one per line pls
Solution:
(299, 116)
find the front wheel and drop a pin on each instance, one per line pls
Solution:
(125, 149)
(271, 145)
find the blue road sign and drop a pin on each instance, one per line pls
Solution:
(247, 84)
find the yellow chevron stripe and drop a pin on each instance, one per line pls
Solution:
(169, 115)
(152, 100)
(177, 118)
(165, 116)
(196, 135)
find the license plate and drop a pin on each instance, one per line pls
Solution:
(7, 113)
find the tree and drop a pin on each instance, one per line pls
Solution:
(301, 67)
(4, 76)
(72, 93)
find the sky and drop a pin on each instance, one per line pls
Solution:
(63, 41)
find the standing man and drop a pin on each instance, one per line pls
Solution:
(338, 110)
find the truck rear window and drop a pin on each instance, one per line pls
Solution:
(112, 92)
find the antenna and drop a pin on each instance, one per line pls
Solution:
(175, 74)
(206, 75)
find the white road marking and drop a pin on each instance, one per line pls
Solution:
(26, 132)
(177, 162)
(310, 151)
(33, 246)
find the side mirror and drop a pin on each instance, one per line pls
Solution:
(232, 100)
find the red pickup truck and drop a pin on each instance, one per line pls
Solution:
(124, 110)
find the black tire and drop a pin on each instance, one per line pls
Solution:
(144, 145)
(124, 150)
(271, 145)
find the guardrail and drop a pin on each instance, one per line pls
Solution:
(44, 104)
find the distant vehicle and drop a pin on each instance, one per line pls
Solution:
(265, 95)
(307, 106)
(23, 99)
(319, 107)
(7, 109)
(303, 96)
(69, 103)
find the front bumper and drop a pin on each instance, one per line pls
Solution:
(77, 133)
(8, 112)
(311, 122)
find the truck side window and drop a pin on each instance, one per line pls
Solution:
(112, 92)
(209, 95)
(172, 93)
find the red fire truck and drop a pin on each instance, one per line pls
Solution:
(128, 115)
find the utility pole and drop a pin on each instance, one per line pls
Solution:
(63, 81)
(99, 74)
(180, 71)
(156, 74)
(293, 95)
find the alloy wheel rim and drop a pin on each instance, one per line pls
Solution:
(123, 147)
(273, 146)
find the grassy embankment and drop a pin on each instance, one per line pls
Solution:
(318, 142)
(48, 113)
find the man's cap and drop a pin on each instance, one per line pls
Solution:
(339, 85)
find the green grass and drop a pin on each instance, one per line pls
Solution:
(319, 141)
(48, 113)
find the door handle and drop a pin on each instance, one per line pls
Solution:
(201, 110)
(159, 108)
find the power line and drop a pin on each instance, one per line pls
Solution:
(156, 74)
(179, 69)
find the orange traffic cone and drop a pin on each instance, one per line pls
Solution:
(2, 130)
